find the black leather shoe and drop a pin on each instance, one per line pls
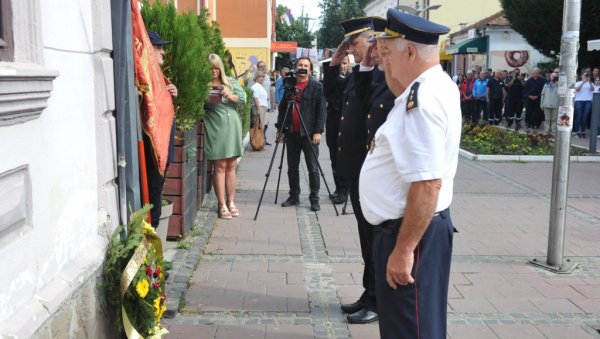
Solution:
(314, 206)
(353, 308)
(290, 202)
(339, 199)
(267, 143)
(363, 316)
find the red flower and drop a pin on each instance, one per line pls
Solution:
(157, 272)
(156, 285)
(149, 271)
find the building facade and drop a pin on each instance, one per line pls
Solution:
(58, 168)
(491, 43)
(248, 28)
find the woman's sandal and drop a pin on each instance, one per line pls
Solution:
(235, 212)
(224, 212)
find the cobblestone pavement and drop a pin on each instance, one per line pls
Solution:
(285, 275)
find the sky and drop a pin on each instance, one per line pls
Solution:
(311, 8)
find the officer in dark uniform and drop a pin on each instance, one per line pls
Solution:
(335, 98)
(406, 182)
(352, 151)
(370, 83)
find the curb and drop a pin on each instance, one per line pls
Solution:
(523, 158)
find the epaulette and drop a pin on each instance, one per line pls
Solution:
(412, 101)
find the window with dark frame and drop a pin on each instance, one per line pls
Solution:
(6, 38)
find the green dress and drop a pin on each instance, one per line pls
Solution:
(223, 127)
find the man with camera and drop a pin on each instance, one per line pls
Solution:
(301, 121)
(514, 86)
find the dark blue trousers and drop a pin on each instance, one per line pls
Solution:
(415, 311)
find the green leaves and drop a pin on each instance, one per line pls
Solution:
(186, 58)
(330, 35)
(296, 31)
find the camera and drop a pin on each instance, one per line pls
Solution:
(289, 82)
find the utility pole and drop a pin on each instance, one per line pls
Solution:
(560, 172)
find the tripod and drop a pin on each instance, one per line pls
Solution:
(291, 105)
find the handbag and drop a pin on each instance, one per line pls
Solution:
(257, 136)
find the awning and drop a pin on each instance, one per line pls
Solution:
(469, 46)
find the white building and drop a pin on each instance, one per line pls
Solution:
(491, 43)
(58, 197)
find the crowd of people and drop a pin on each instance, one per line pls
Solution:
(494, 95)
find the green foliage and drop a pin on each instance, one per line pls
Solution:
(296, 31)
(334, 11)
(482, 139)
(214, 40)
(142, 310)
(245, 112)
(186, 58)
(531, 17)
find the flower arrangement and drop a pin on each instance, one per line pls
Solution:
(484, 139)
(134, 282)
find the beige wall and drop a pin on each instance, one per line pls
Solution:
(453, 12)
(243, 19)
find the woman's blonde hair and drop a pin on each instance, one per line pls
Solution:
(215, 62)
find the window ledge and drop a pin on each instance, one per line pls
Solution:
(24, 91)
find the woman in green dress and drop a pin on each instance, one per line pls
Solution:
(223, 135)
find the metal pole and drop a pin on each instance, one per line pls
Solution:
(560, 172)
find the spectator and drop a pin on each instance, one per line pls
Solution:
(223, 138)
(279, 90)
(533, 91)
(479, 89)
(495, 97)
(466, 97)
(583, 104)
(549, 103)
(514, 86)
(260, 101)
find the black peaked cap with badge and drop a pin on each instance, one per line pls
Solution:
(411, 27)
(379, 25)
(354, 27)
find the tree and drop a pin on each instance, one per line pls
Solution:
(295, 31)
(330, 35)
(531, 18)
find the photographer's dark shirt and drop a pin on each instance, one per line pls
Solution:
(516, 89)
(296, 115)
(495, 87)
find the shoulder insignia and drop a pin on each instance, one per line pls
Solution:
(412, 101)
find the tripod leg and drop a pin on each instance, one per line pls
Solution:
(280, 167)
(317, 160)
(266, 179)
(271, 163)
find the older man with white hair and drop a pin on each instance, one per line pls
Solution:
(406, 181)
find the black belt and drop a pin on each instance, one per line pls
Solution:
(391, 226)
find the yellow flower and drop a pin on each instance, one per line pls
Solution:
(147, 228)
(142, 287)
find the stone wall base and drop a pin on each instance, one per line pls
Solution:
(81, 316)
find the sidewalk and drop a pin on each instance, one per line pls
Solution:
(285, 275)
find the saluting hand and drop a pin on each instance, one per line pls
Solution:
(399, 268)
(339, 55)
(367, 60)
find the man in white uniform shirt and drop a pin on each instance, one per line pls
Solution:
(406, 181)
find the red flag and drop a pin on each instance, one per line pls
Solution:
(157, 103)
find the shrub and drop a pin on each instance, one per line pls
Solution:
(245, 113)
(186, 58)
(496, 140)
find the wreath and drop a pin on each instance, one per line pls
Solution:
(133, 279)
